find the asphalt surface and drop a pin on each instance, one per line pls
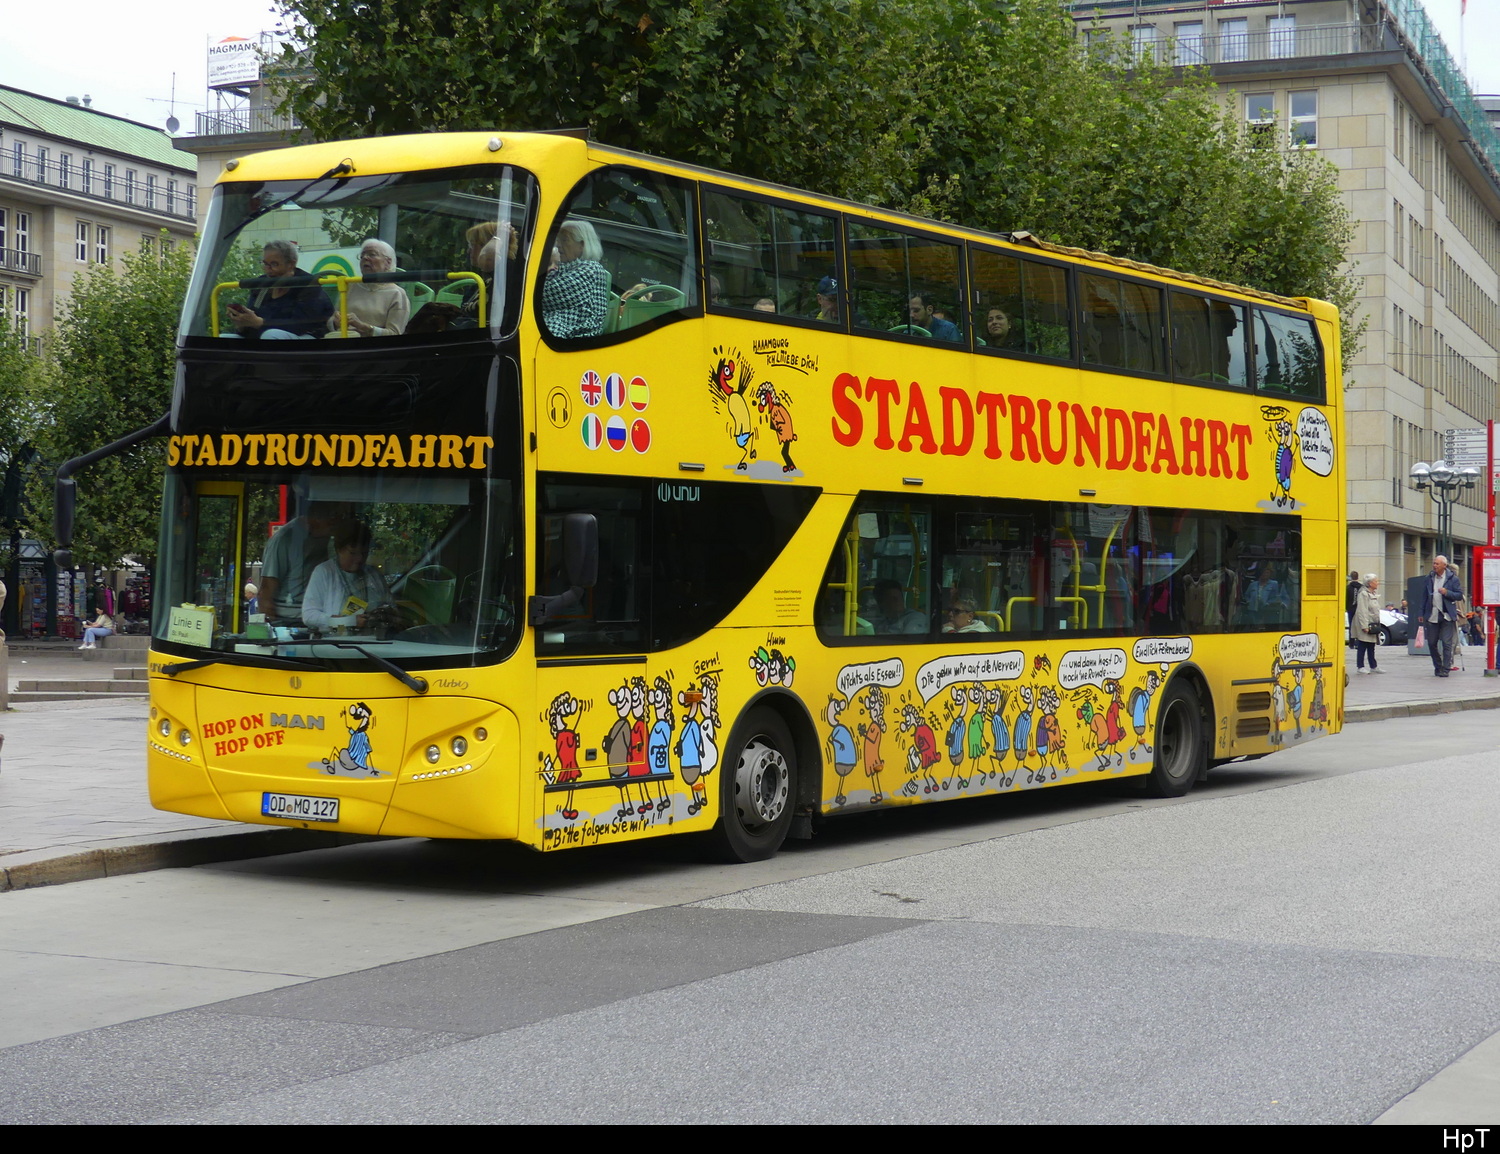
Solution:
(1313, 938)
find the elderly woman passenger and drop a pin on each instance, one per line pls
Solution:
(575, 293)
(380, 309)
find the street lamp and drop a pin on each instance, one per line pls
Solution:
(1443, 483)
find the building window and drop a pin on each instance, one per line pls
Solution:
(148, 244)
(1304, 117)
(1282, 41)
(21, 313)
(1143, 41)
(150, 190)
(101, 244)
(1188, 43)
(1234, 40)
(88, 175)
(41, 164)
(23, 232)
(109, 181)
(130, 186)
(64, 169)
(192, 197)
(81, 240)
(171, 196)
(18, 159)
(1260, 112)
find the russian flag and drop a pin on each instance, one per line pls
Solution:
(616, 433)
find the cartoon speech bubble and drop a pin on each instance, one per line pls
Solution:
(1162, 650)
(1315, 437)
(853, 678)
(1090, 667)
(938, 674)
(1298, 647)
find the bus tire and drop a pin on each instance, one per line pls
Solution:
(757, 790)
(1179, 742)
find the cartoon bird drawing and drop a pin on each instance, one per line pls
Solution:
(729, 382)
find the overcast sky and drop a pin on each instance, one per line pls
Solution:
(124, 53)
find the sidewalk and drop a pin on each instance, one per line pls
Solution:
(73, 801)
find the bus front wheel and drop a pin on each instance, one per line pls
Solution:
(1179, 742)
(756, 790)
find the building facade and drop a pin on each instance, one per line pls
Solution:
(1372, 87)
(79, 188)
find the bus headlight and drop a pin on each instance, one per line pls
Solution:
(433, 753)
(460, 746)
(481, 734)
(184, 737)
(164, 727)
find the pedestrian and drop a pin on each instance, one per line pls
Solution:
(1364, 624)
(1441, 593)
(103, 626)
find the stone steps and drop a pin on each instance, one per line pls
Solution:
(128, 681)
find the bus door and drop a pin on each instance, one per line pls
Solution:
(219, 554)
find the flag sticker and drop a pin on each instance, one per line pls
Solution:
(640, 435)
(640, 394)
(593, 431)
(614, 390)
(615, 431)
(590, 388)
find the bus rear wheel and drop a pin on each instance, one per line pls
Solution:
(756, 790)
(1180, 750)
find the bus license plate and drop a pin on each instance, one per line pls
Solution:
(298, 808)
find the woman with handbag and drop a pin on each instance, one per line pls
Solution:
(1364, 625)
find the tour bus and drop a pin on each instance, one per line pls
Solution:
(586, 496)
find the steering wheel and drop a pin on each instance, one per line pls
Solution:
(910, 330)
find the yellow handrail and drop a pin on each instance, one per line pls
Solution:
(1009, 614)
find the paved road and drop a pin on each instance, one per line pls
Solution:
(1312, 938)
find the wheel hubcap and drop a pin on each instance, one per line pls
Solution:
(761, 784)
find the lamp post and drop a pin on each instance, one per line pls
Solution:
(1443, 483)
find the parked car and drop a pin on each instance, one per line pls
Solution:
(1393, 627)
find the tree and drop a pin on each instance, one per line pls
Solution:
(23, 380)
(978, 112)
(112, 367)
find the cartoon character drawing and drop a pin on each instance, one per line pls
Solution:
(1294, 701)
(625, 745)
(1108, 729)
(354, 759)
(708, 685)
(1279, 430)
(564, 771)
(691, 746)
(977, 744)
(772, 668)
(999, 733)
(1140, 710)
(840, 745)
(660, 739)
(1022, 731)
(955, 738)
(728, 390)
(773, 404)
(1317, 710)
(1278, 704)
(872, 732)
(924, 753)
(1049, 735)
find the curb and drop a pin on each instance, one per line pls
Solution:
(1418, 708)
(47, 868)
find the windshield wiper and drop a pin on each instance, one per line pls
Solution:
(236, 659)
(415, 684)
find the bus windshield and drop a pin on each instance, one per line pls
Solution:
(379, 256)
(311, 565)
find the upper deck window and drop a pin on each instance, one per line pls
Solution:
(1020, 306)
(622, 253)
(1122, 323)
(386, 255)
(905, 283)
(1287, 358)
(1208, 340)
(769, 258)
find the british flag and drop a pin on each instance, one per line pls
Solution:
(591, 388)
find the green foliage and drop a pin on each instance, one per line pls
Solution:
(112, 355)
(23, 381)
(980, 112)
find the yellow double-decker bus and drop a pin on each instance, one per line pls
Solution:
(587, 497)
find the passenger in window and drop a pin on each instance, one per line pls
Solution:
(346, 586)
(764, 305)
(924, 313)
(962, 619)
(828, 300)
(375, 310)
(892, 615)
(997, 328)
(575, 292)
(282, 312)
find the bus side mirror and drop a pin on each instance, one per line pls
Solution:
(64, 498)
(580, 542)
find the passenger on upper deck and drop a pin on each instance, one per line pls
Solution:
(282, 312)
(375, 310)
(575, 291)
(828, 300)
(997, 328)
(922, 312)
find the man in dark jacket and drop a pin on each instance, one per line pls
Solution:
(1441, 593)
(283, 311)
